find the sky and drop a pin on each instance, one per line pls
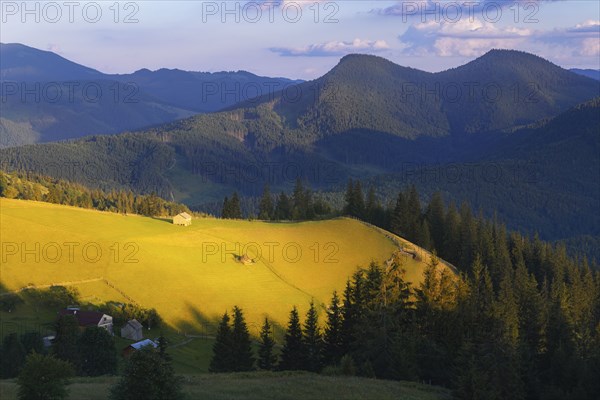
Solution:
(301, 39)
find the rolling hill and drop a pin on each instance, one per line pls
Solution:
(190, 275)
(356, 122)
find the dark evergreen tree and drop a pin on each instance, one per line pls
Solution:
(299, 210)
(283, 209)
(222, 359)
(267, 358)
(399, 219)
(226, 210)
(333, 343)
(293, 352)
(436, 219)
(243, 359)
(235, 207)
(313, 341)
(163, 344)
(265, 208)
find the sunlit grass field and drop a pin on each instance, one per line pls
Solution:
(189, 274)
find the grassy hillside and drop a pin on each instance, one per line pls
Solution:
(265, 386)
(190, 275)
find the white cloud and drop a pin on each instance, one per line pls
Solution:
(333, 48)
(474, 38)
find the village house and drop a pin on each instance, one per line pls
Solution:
(137, 346)
(87, 319)
(132, 330)
(183, 219)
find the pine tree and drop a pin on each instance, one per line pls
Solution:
(358, 201)
(299, 210)
(266, 356)
(413, 215)
(241, 345)
(293, 352)
(283, 208)
(349, 319)
(372, 207)
(235, 207)
(313, 341)
(265, 209)
(333, 344)
(399, 217)
(163, 344)
(226, 211)
(349, 198)
(435, 218)
(222, 359)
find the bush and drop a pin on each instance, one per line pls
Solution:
(9, 302)
(347, 366)
(44, 378)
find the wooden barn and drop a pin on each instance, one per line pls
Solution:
(183, 219)
(132, 330)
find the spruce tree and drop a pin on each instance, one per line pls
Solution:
(371, 206)
(399, 217)
(413, 214)
(293, 352)
(350, 206)
(266, 356)
(283, 207)
(313, 341)
(299, 210)
(226, 211)
(333, 344)
(241, 345)
(359, 201)
(235, 207)
(435, 218)
(222, 359)
(265, 208)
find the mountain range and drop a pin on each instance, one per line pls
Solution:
(46, 97)
(521, 132)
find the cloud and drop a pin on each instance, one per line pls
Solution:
(428, 9)
(268, 4)
(333, 48)
(464, 38)
(472, 38)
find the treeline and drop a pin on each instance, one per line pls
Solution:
(301, 205)
(40, 188)
(518, 339)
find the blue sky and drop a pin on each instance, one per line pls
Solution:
(301, 39)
